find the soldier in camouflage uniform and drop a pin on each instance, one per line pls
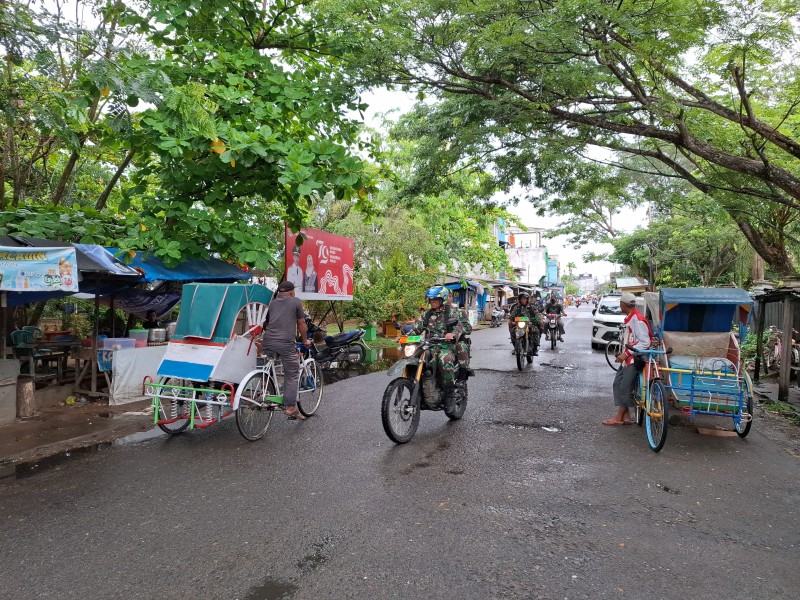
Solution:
(524, 308)
(434, 321)
(462, 346)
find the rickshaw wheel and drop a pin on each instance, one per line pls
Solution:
(657, 426)
(174, 405)
(254, 414)
(742, 428)
(311, 388)
(638, 412)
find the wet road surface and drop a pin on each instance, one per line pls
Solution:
(527, 497)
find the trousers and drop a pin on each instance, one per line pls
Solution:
(287, 352)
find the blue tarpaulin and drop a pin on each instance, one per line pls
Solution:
(190, 269)
(704, 309)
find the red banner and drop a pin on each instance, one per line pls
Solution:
(322, 267)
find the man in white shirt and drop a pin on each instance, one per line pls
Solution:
(637, 334)
(295, 272)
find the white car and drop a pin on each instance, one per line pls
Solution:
(608, 317)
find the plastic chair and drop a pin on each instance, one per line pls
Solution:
(38, 334)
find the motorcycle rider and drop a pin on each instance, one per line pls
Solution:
(434, 321)
(524, 308)
(554, 307)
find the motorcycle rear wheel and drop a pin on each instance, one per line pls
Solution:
(399, 415)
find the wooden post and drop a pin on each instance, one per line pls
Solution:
(26, 404)
(762, 312)
(785, 372)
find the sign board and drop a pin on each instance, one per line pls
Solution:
(322, 267)
(32, 269)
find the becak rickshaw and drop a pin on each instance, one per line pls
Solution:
(704, 373)
(209, 354)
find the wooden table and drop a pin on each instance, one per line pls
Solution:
(47, 352)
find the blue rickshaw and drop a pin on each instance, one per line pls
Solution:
(704, 373)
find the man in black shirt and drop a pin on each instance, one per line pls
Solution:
(554, 308)
(284, 319)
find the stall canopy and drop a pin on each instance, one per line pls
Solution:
(191, 269)
(473, 285)
(97, 269)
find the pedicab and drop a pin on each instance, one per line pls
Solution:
(701, 366)
(210, 354)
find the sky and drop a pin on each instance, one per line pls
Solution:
(395, 103)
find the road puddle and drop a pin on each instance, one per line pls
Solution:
(528, 426)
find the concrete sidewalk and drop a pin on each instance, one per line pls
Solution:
(59, 429)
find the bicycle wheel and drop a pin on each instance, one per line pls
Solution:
(174, 406)
(518, 351)
(254, 414)
(311, 387)
(613, 348)
(743, 427)
(399, 415)
(638, 408)
(656, 416)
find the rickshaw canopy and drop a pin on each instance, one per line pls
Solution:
(209, 310)
(705, 309)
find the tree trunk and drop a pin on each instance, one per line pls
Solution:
(33, 318)
(101, 201)
(758, 268)
(26, 403)
(774, 255)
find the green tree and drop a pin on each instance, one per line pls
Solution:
(708, 95)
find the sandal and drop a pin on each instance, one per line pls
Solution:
(294, 415)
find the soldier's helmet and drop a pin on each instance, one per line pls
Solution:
(438, 291)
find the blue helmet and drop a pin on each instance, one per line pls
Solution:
(438, 291)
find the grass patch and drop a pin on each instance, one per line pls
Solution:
(785, 410)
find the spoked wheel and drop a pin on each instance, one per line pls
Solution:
(399, 415)
(743, 426)
(638, 411)
(518, 351)
(174, 406)
(613, 349)
(456, 410)
(254, 413)
(311, 386)
(656, 416)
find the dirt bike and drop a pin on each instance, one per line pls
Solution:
(497, 317)
(552, 332)
(420, 387)
(526, 341)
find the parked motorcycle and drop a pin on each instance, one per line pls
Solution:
(526, 342)
(551, 331)
(343, 348)
(419, 387)
(498, 314)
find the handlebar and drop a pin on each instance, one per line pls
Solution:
(653, 352)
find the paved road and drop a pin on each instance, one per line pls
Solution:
(527, 497)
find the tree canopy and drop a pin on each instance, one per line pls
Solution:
(701, 90)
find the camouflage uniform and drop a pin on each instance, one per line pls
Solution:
(435, 323)
(532, 312)
(462, 345)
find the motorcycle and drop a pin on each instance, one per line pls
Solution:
(419, 387)
(526, 341)
(498, 314)
(552, 332)
(343, 348)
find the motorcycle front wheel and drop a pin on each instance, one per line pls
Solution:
(519, 352)
(399, 414)
(456, 411)
(553, 339)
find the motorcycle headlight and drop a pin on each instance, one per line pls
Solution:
(522, 325)
(409, 350)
